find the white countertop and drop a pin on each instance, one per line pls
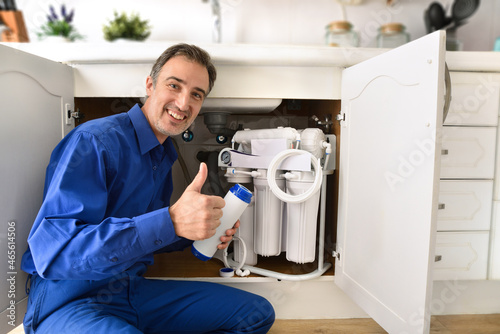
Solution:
(241, 54)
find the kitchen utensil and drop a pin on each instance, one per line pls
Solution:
(463, 9)
(435, 17)
(427, 21)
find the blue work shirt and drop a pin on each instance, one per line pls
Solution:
(106, 200)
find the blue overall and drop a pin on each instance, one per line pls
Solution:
(104, 214)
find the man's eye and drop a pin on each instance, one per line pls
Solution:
(173, 86)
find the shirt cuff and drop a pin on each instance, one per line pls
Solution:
(155, 230)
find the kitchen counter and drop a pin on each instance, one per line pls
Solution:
(284, 55)
(244, 71)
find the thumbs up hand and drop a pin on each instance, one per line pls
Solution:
(196, 216)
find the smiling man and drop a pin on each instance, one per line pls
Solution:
(106, 212)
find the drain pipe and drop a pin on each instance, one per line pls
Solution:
(216, 124)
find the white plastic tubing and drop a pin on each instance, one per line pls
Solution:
(271, 177)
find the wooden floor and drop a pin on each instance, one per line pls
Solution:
(185, 264)
(443, 324)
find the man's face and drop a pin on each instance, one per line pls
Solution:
(176, 100)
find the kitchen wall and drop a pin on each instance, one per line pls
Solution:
(266, 21)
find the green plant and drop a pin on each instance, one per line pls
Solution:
(128, 27)
(56, 26)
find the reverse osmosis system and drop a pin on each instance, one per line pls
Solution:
(288, 170)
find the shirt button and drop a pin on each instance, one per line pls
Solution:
(114, 259)
(158, 242)
(154, 167)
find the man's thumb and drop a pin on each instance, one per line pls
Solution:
(199, 180)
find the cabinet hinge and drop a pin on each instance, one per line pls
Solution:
(340, 117)
(336, 255)
(76, 114)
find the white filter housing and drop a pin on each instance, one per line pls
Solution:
(302, 220)
(311, 140)
(246, 136)
(268, 217)
(246, 233)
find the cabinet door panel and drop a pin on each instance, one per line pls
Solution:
(388, 182)
(462, 255)
(468, 152)
(33, 92)
(465, 205)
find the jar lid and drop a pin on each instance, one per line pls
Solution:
(339, 26)
(392, 28)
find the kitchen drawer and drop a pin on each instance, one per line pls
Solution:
(475, 99)
(494, 262)
(465, 205)
(468, 152)
(464, 255)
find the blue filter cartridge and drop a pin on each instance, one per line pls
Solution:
(237, 200)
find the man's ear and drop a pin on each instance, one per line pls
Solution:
(149, 86)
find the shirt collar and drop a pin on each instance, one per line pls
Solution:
(145, 135)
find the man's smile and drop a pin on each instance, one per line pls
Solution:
(176, 115)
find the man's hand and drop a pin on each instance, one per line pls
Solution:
(225, 239)
(196, 216)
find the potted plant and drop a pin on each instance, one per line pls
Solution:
(59, 26)
(126, 27)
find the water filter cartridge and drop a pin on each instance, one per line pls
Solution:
(237, 200)
(245, 233)
(268, 216)
(302, 220)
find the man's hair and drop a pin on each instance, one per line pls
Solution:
(192, 53)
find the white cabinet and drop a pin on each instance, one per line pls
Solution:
(34, 94)
(465, 205)
(468, 152)
(475, 99)
(392, 158)
(464, 255)
(468, 174)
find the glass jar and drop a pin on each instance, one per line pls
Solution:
(340, 33)
(392, 35)
(496, 46)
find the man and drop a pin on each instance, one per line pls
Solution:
(106, 212)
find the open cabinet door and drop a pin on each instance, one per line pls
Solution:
(389, 171)
(33, 94)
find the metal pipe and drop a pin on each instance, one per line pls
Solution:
(216, 17)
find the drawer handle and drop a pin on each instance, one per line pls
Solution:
(444, 152)
(438, 258)
(441, 206)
